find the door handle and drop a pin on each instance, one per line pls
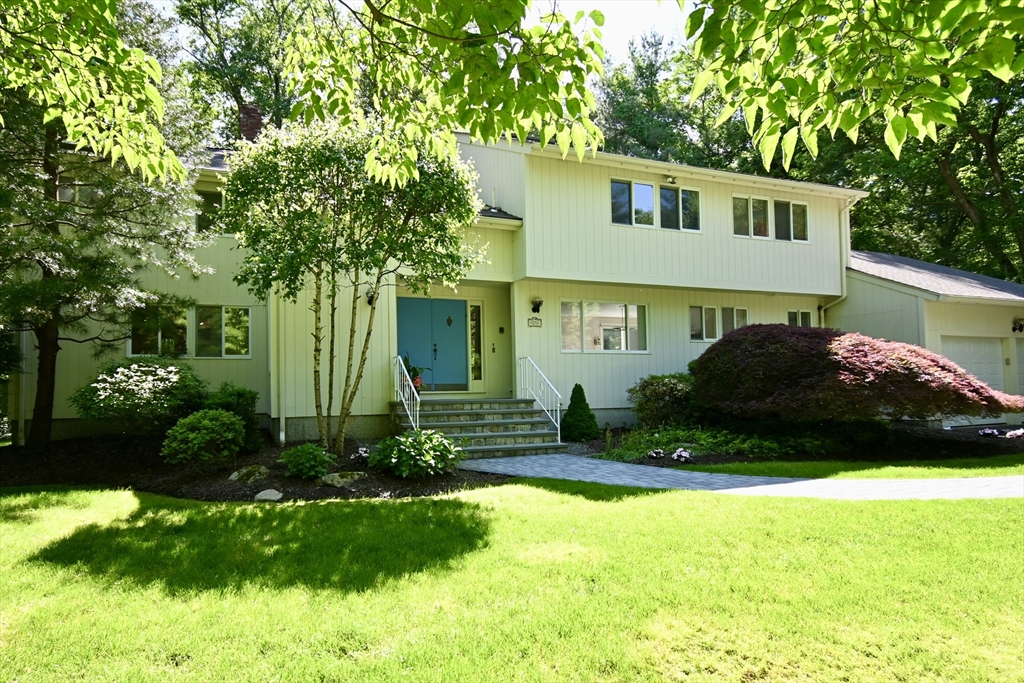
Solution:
(435, 351)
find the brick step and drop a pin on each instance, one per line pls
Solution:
(504, 439)
(482, 426)
(479, 404)
(436, 416)
(473, 452)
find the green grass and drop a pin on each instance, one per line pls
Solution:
(996, 466)
(532, 581)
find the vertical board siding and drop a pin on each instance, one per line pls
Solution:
(499, 253)
(570, 236)
(606, 376)
(877, 311)
(501, 176)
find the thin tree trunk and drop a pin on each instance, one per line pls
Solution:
(46, 379)
(332, 298)
(317, 341)
(348, 398)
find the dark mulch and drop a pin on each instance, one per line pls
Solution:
(136, 464)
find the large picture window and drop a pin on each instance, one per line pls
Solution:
(159, 330)
(222, 331)
(597, 326)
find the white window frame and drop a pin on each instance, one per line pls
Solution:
(189, 325)
(791, 202)
(721, 319)
(583, 317)
(632, 202)
(800, 312)
(703, 327)
(678, 190)
(194, 347)
(657, 206)
(750, 216)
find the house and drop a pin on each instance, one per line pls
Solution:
(974, 320)
(598, 272)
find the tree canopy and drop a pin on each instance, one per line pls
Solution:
(794, 67)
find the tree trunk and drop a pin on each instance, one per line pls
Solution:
(352, 387)
(46, 378)
(318, 337)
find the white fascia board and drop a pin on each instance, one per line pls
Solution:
(498, 223)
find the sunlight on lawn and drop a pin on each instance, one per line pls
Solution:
(533, 581)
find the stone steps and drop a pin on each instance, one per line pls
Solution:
(487, 428)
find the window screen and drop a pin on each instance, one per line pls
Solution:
(572, 339)
(690, 209)
(759, 213)
(741, 216)
(696, 323)
(622, 205)
(783, 228)
(800, 222)
(670, 208)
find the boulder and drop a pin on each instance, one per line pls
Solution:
(270, 495)
(249, 474)
(340, 479)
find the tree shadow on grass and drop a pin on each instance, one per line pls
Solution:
(601, 493)
(23, 504)
(350, 546)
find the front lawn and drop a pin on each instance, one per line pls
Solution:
(532, 581)
(997, 466)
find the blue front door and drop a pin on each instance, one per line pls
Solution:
(432, 334)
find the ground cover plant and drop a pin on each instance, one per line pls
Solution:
(536, 581)
(416, 454)
(307, 461)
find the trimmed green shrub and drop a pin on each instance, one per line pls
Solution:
(142, 394)
(579, 423)
(207, 435)
(307, 461)
(241, 402)
(415, 454)
(663, 399)
(641, 442)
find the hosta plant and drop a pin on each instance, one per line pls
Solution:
(308, 461)
(416, 454)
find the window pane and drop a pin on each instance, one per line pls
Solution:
(145, 332)
(637, 323)
(728, 319)
(690, 205)
(759, 209)
(783, 229)
(805, 318)
(476, 343)
(236, 331)
(696, 323)
(622, 209)
(571, 338)
(643, 196)
(793, 318)
(800, 222)
(208, 331)
(604, 327)
(173, 332)
(710, 328)
(669, 208)
(209, 205)
(741, 317)
(740, 216)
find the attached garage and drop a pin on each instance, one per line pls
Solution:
(966, 317)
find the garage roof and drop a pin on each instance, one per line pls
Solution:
(934, 278)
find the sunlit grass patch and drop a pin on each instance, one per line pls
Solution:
(1000, 465)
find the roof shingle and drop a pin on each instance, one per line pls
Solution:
(934, 278)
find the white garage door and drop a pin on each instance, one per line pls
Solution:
(983, 358)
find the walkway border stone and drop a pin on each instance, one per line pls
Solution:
(577, 468)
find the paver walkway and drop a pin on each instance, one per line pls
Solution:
(576, 468)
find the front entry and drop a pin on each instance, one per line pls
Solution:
(432, 334)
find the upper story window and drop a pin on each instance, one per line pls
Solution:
(595, 326)
(799, 318)
(790, 221)
(159, 330)
(633, 203)
(209, 205)
(750, 216)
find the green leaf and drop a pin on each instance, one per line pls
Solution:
(789, 145)
(694, 22)
(700, 83)
(895, 134)
(787, 45)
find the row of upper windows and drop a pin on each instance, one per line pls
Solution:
(210, 202)
(678, 208)
(220, 332)
(600, 326)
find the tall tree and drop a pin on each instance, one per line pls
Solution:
(312, 220)
(68, 58)
(78, 229)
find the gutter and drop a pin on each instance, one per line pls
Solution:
(844, 258)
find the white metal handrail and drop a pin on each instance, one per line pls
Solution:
(405, 392)
(534, 384)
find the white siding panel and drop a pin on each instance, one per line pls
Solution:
(877, 311)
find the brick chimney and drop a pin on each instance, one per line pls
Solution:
(250, 121)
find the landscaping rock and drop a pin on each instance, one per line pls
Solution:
(249, 474)
(340, 479)
(270, 495)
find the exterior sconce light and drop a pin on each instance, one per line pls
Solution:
(370, 296)
(537, 303)
(1018, 325)
(670, 179)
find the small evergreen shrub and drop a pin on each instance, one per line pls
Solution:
(663, 399)
(241, 402)
(308, 461)
(579, 423)
(206, 435)
(142, 395)
(416, 454)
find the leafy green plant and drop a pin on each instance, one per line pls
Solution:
(307, 461)
(207, 435)
(416, 454)
(662, 399)
(642, 441)
(579, 423)
(242, 403)
(142, 394)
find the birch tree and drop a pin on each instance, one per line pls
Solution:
(311, 220)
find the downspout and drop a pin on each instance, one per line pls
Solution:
(844, 258)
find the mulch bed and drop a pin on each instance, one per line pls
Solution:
(136, 464)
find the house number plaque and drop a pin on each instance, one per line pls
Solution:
(534, 322)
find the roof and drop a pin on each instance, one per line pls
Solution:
(496, 212)
(931, 277)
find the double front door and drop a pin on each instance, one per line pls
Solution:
(432, 334)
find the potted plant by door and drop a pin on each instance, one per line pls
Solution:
(415, 373)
